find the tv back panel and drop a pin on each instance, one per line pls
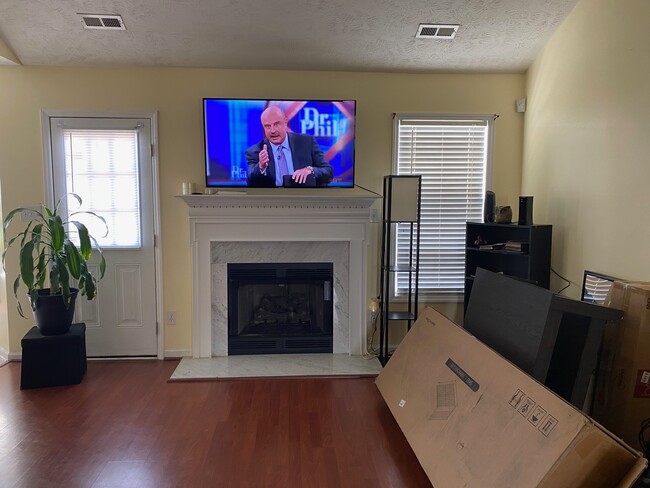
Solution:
(552, 338)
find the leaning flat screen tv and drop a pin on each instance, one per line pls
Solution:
(595, 287)
(275, 143)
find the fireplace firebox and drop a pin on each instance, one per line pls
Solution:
(280, 308)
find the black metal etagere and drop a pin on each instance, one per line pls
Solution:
(401, 206)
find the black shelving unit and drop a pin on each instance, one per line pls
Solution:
(396, 195)
(532, 266)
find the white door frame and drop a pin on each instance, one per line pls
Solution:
(46, 114)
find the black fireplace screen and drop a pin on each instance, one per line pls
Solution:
(280, 308)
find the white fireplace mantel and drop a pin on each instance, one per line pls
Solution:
(287, 216)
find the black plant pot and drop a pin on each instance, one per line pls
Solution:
(52, 315)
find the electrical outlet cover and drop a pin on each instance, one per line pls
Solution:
(171, 317)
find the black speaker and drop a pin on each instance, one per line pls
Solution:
(525, 211)
(489, 208)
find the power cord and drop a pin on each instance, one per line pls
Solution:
(569, 283)
(371, 351)
(644, 442)
(368, 189)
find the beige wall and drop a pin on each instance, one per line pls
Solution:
(4, 298)
(587, 140)
(176, 94)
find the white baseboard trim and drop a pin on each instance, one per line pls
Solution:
(15, 356)
(169, 354)
(178, 353)
(122, 358)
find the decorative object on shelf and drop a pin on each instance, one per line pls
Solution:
(525, 211)
(516, 246)
(47, 252)
(493, 247)
(503, 215)
(489, 208)
(401, 207)
(188, 188)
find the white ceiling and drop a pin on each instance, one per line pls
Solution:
(349, 35)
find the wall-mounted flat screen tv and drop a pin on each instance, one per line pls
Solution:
(276, 143)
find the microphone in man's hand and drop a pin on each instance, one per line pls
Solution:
(263, 158)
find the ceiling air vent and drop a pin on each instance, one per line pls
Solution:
(437, 31)
(105, 22)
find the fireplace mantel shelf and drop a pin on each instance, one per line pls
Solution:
(314, 199)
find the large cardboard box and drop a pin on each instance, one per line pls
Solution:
(476, 421)
(623, 384)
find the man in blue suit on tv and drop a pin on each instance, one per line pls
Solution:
(285, 153)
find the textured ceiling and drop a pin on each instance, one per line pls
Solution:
(350, 35)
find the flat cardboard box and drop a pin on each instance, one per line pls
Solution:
(474, 420)
(622, 398)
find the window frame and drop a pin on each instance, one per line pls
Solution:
(67, 175)
(431, 295)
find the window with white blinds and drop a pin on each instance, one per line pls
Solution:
(101, 167)
(453, 155)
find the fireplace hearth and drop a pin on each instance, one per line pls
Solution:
(280, 308)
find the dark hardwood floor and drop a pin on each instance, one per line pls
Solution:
(125, 425)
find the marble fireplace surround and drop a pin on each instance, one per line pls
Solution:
(257, 227)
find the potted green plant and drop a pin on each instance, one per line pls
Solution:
(48, 254)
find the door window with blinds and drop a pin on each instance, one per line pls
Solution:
(453, 154)
(101, 166)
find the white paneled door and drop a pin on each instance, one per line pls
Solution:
(108, 163)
